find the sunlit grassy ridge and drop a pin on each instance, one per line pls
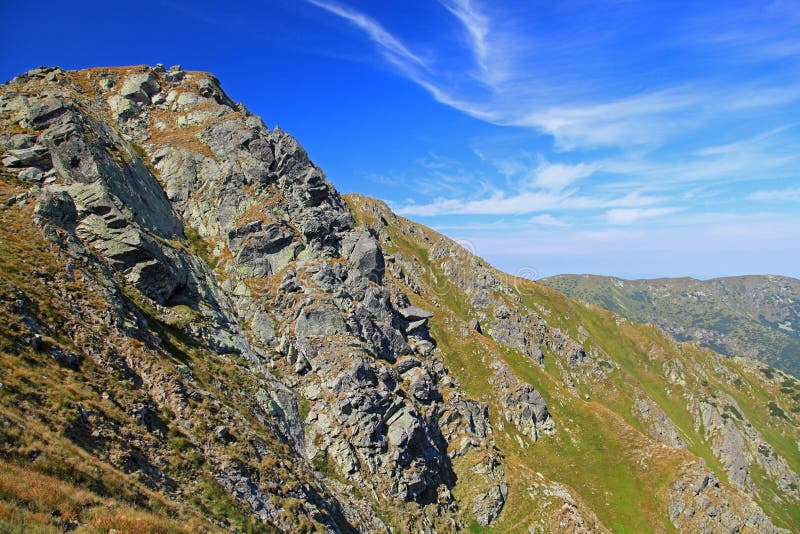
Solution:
(600, 449)
(738, 316)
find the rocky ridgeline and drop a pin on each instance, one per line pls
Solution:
(185, 215)
(126, 161)
(755, 316)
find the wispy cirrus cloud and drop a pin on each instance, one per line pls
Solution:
(769, 155)
(545, 219)
(391, 47)
(558, 176)
(499, 203)
(635, 120)
(521, 85)
(634, 215)
(788, 194)
(746, 144)
(477, 26)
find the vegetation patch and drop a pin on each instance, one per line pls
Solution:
(776, 411)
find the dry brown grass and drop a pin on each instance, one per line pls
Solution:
(43, 494)
(180, 138)
(83, 79)
(33, 501)
(258, 212)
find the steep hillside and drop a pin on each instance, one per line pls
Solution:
(752, 316)
(200, 334)
(627, 402)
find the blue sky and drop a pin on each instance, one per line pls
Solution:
(628, 138)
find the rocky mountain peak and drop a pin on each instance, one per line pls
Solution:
(142, 166)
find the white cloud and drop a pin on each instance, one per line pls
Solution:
(557, 176)
(740, 145)
(636, 120)
(391, 47)
(632, 215)
(477, 26)
(767, 156)
(382, 179)
(520, 84)
(498, 203)
(760, 97)
(789, 194)
(408, 63)
(433, 161)
(545, 219)
(673, 135)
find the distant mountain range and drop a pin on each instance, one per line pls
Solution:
(756, 316)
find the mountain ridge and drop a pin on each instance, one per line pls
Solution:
(202, 335)
(749, 315)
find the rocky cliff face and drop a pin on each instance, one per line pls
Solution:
(210, 337)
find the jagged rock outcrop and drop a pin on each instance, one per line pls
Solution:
(739, 446)
(697, 505)
(658, 424)
(529, 320)
(525, 408)
(262, 209)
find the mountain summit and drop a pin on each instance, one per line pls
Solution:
(200, 334)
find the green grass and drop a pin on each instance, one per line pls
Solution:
(475, 528)
(199, 246)
(555, 457)
(303, 407)
(591, 456)
(216, 502)
(637, 368)
(323, 465)
(776, 411)
(733, 308)
(783, 514)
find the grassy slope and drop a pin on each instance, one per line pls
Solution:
(745, 310)
(52, 475)
(36, 390)
(598, 449)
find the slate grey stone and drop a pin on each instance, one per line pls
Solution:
(319, 322)
(414, 313)
(366, 256)
(34, 156)
(59, 208)
(31, 174)
(406, 364)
